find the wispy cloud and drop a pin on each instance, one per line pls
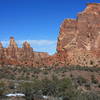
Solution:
(37, 42)
(38, 45)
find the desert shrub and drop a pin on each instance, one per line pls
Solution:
(99, 85)
(88, 86)
(45, 72)
(93, 79)
(26, 88)
(31, 89)
(87, 96)
(36, 70)
(2, 88)
(11, 85)
(65, 88)
(55, 87)
(81, 80)
(48, 87)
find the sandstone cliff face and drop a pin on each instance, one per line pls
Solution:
(83, 32)
(80, 38)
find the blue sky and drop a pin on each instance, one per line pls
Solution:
(36, 21)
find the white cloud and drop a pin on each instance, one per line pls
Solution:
(38, 45)
(37, 42)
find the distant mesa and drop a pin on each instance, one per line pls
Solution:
(78, 44)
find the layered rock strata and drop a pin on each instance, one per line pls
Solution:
(80, 38)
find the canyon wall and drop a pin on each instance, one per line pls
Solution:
(79, 38)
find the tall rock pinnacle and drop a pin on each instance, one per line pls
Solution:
(28, 51)
(12, 43)
(26, 45)
(1, 45)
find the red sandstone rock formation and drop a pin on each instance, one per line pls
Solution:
(80, 38)
(25, 56)
(78, 44)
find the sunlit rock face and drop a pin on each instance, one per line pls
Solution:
(12, 49)
(80, 37)
(25, 56)
(12, 43)
(83, 32)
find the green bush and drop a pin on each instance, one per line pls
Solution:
(93, 79)
(81, 80)
(2, 88)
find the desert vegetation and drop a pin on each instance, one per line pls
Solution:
(63, 83)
